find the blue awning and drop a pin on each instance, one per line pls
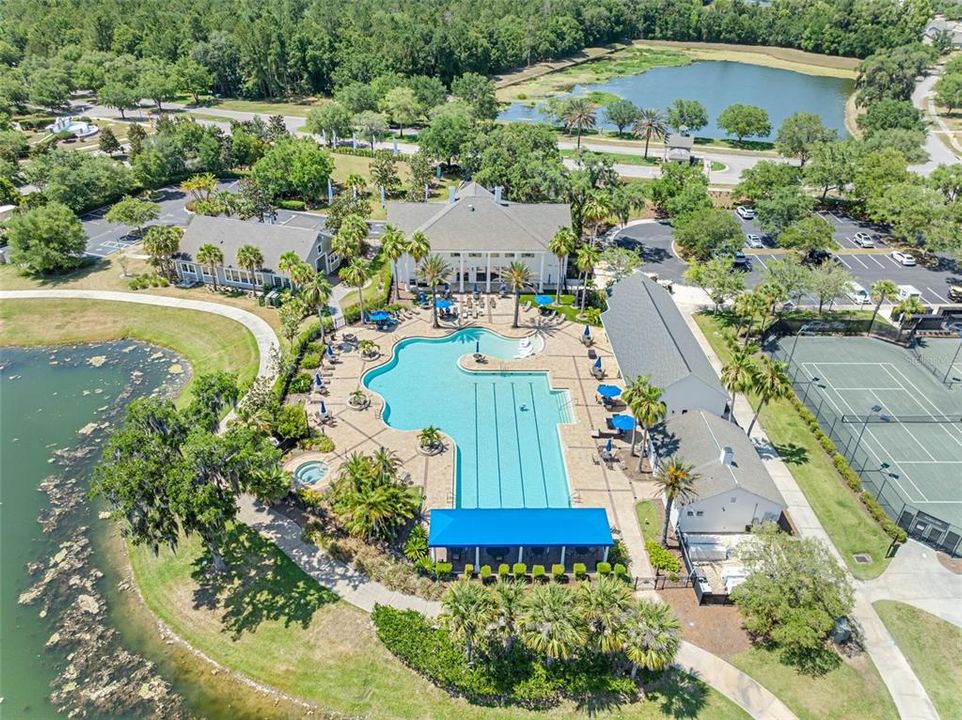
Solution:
(512, 527)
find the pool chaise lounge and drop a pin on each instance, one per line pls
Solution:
(562, 535)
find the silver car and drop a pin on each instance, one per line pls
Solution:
(754, 242)
(745, 213)
(903, 258)
(863, 239)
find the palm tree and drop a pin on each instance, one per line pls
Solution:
(210, 256)
(771, 382)
(394, 245)
(881, 291)
(356, 182)
(738, 373)
(588, 256)
(578, 114)
(356, 274)
(368, 502)
(250, 258)
(676, 480)
(349, 240)
(650, 123)
(467, 606)
(518, 275)
(434, 272)
(316, 292)
(508, 606)
(747, 305)
(161, 242)
(550, 624)
(596, 210)
(200, 186)
(386, 463)
(652, 636)
(561, 246)
(288, 263)
(419, 247)
(910, 306)
(647, 407)
(429, 437)
(603, 607)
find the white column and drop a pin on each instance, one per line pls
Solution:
(462, 272)
(541, 275)
(434, 554)
(521, 554)
(563, 555)
(605, 559)
(487, 281)
(477, 558)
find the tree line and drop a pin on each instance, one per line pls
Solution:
(251, 49)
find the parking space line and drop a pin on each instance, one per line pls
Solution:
(761, 262)
(894, 261)
(941, 299)
(842, 260)
(857, 259)
(875, 260)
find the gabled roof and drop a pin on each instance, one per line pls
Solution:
(230, 234)
(649, 336)
(677, 140)
(700, 438)
(475, 221)
(527, 527)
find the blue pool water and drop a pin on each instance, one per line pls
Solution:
(506, 456)
(310, 472)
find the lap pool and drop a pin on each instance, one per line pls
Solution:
(504, 423)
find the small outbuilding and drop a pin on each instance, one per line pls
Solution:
(678, 148)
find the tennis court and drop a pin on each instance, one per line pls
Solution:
(895, 422)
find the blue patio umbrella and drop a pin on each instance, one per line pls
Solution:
(623, 422)
(442, 304)
(322, 410)
(379, 316)
(330, 351)
(543, 300)
(318, 380)
(597, 365)
(503, 287)
(609, 391)
(447, 287)
(475, 288)
(608, 445)
(587, 332)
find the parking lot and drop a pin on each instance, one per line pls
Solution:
(653, 240)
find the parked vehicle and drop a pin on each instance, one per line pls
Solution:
(754, 241)
(745, 212)
(907, 291)
(816, 257)
(741, 260)
(858, 295)
(864, 240)
(955, 293)
(903, 258)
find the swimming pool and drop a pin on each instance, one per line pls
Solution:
(311, 472)
(504, 423)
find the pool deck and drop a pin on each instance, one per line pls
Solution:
(564, 357)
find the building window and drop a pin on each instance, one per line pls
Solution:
(474, 254)
(699, 513)
(690, 514)
(454, 254)
(494, 255)
(187, 267)
(237, 276)
(510, 255)
(732, 500)
(527, 254)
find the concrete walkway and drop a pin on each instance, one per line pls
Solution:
(909, 696)
(263, 333)
(939, 154)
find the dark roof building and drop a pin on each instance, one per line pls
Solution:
(649, 336)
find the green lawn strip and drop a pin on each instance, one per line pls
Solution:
(648, 520)
(567, 306)
(264, 108)
(852, 691)
(841, 513)
(374, 292)
(276, 625)
(208, 342)
(933, 648)
(617, 158)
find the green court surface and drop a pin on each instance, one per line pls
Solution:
(893, 418)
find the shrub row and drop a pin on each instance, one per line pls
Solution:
(290, 364)
(661, 558)
(148, 280)
(519, 571)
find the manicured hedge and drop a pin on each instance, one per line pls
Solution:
(662, 559)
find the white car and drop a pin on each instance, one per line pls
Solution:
(745, 213)
(754, 242)
(863, 240)
(903, 258)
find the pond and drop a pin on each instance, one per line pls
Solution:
(718, 84)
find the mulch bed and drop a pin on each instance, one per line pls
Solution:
(950, 563)
(716, 628)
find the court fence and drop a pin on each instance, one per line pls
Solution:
(847, 431)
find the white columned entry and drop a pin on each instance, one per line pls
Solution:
(487, 281)
(434, 554)
(541, 275)
(605, 559)
(521, 554)
(462, 273)
(477, 557)
(563, 555)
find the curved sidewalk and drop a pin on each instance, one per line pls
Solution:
(263, 333)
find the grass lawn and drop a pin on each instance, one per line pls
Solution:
(933, 648)
(208, 342)
(618, 158)
(271, 622)
(648, 520)
(852, 691)
(842, 514)
(567, 306)
(373, 291)
(263, 107)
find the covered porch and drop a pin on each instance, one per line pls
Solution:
(536, 536)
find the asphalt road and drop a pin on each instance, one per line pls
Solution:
(653, 240)
(104, 238)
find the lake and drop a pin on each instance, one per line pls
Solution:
(718, 84)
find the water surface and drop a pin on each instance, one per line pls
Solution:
(718, 84)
